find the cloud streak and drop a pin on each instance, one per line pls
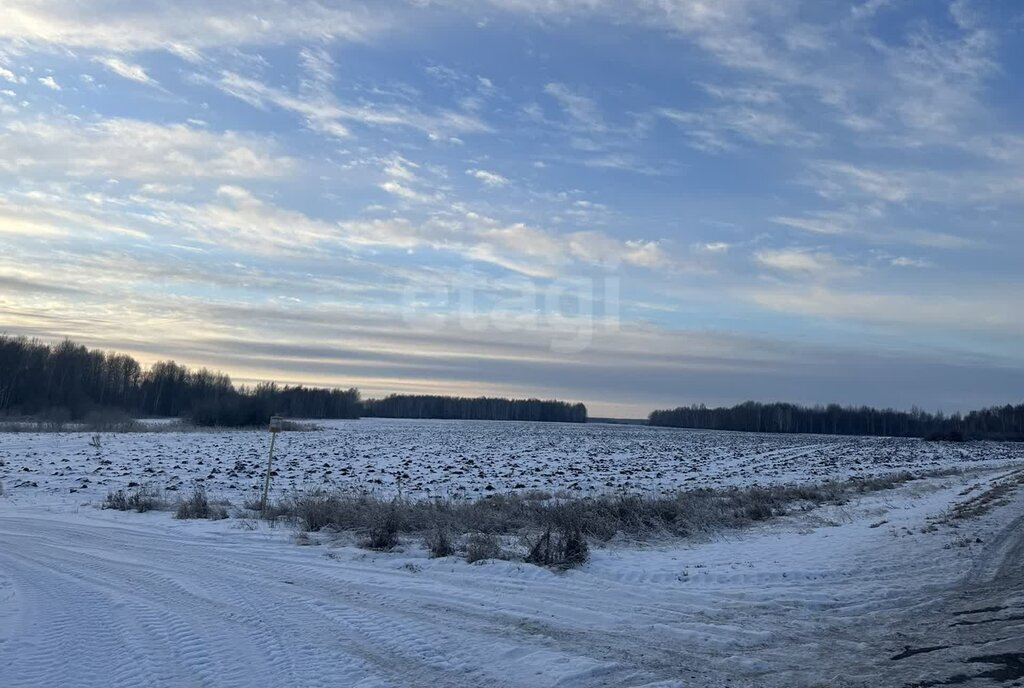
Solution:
(127, 70)
(134, 150)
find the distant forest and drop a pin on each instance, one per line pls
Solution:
(67, 381)
(1001, 422)
(481, 408)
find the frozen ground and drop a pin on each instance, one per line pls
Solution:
(427, 458)
(885, 591)
(876, 593)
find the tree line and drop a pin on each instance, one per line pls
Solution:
(67, 381)
(474, 408)
(1001, 422)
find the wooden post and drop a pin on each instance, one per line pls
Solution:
(275, 427)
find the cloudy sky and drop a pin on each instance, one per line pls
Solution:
(632, 204)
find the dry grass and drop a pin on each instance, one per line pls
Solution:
(998, 493)
(483, 546)
(562, 549)
(139, 499)
(382, 527)
(439, 541)
(198, 505)
(556, 528)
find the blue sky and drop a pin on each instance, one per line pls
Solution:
(632, 204)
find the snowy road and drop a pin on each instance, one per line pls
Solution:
(94, 598)
(114, 605)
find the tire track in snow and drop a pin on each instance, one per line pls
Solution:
(116, 607)
(209, 607)
(212, 634)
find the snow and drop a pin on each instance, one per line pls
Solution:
(456, 458)
(102, 598)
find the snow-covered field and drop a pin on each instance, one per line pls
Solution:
(883, 591)
(471, 458)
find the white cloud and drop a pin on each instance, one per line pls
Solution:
(158, 189)
(929, 239)
(874, 224)
(49, 82)
(408, 193)
(646, 254)
(133, 149)
(974, 312)
(581, 109)
(802, 262)
(838, 178)
(869, 8)
(186, 27)
(326, 114)
(716, 247)
(319, 68)
(937, 79)
(397, 233)
(8, 75)
(713, 130)
(246, 223)
(818, 223)
(762, 95)
(519, 247)
(904, 262)
(127, 70)
(249, 224)
(397, 167)
(47, 215)
(488, 178)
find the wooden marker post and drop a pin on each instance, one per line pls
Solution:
(275, 427)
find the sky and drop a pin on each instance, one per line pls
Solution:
(635, 204)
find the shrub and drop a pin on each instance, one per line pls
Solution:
(382, 532)
(439, 542)
(319, 510)
(141, 499)
(198, 506)
(482, 546)
(759, 512)
(564, 548)
(573, 547)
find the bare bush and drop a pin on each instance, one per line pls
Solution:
(141, 499)
(439, 541)
(481, 546)
(382, 530)
(564, 548)
(198, 506)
